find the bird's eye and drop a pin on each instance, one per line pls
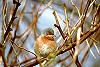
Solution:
(51, 39)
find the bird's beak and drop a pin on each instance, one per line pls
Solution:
(54, 36)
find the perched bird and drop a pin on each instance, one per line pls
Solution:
(45, 43)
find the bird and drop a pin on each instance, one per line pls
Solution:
(45, 43)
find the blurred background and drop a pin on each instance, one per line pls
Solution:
(25, 16)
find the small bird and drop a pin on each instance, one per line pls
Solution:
(45, 43)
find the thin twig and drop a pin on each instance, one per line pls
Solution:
(23, 48)
(12, 19)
